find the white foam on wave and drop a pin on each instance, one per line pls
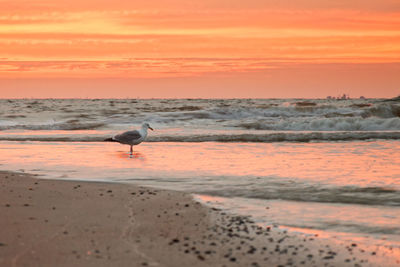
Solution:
(68, 125)
(325, 124)
(266, 137)
(228, 115)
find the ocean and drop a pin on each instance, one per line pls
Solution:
(330, 167)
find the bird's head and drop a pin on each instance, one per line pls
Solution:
(147, 126)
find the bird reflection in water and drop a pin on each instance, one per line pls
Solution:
(134, 155)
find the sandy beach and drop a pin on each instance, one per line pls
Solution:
(74, 223)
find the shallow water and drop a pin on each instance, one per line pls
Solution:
(350, 188)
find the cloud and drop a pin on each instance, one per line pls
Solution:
(134, 67)
(365, 5)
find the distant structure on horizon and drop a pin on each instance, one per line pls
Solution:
(343, 97)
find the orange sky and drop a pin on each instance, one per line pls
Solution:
(208, 48)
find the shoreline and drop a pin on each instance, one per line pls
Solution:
(75, 223)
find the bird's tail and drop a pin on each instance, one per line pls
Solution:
(109, 140)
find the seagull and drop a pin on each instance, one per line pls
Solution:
(131, 138)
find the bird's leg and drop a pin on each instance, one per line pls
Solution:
(131, 151)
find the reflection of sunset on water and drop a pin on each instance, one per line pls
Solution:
(328, 163)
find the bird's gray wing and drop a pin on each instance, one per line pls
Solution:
(127, 136)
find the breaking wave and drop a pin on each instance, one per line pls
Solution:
(260, 138)
(325, 124)
(280, 137)
(68, 126)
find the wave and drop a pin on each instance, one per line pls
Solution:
(321, 117)
(70, 125)
(294, 110)
(270, 124)
(296, 192)
(324, 124)
(280, 137)
(258, 138)
(274, 115)
(382, 111)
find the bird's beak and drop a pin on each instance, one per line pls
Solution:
(151, 128)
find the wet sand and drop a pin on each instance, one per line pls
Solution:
(73, 223)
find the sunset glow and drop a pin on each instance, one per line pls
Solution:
(187, 49)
